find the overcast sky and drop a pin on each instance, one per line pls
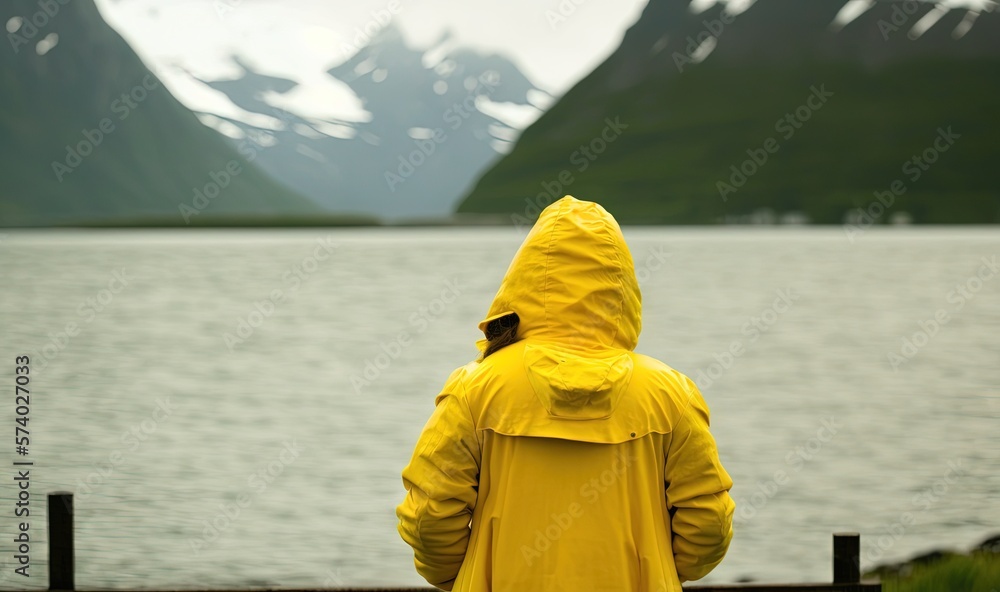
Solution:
(301, 39)
(554, 42)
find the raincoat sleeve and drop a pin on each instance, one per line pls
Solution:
(441, 482)
(697, 490)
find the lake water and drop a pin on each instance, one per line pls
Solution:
(163, 410)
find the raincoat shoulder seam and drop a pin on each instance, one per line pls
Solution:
(462, 393)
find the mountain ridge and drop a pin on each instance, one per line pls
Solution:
(90, 134)
(691, 122)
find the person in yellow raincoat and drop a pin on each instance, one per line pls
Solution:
(562, 459)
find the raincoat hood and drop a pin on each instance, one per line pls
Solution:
(572, 282)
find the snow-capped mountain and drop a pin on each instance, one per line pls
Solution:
(433, 119)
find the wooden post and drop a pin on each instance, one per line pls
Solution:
(846, 558)
(61, 541)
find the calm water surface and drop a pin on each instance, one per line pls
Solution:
(291, 372)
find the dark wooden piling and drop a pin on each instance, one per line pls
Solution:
(61, 566)
(846, 562)
(846, 558)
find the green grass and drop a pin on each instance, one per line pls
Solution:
(979, 572)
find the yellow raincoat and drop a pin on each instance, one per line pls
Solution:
(566, 461)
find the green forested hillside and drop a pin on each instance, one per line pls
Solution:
(89, 135)
(686, 128)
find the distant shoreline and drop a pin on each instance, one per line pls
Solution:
(460, 221)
